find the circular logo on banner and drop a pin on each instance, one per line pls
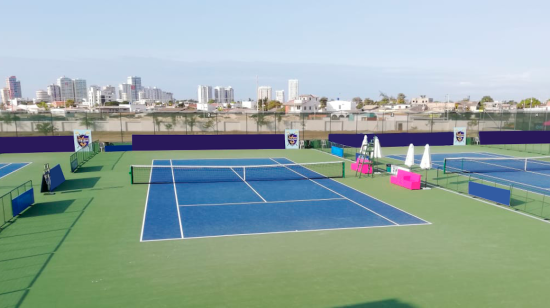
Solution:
(292, 139)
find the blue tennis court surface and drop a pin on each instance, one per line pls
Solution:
(505, 172)
(197, 210)
(8, 168)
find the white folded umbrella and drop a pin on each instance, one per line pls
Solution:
(426, 162)
(409, 161)
(377, 148)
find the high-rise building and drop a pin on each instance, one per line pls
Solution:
(14, 86)
(224, 95)
(66, 88)
(42, 96)
(264, 92)
(293, 89)
(54, 91)
(230, 94)
(125, 92)
(109, 92)
(136, 86)
(280, 96)
(5, 93)
(94, 95)
(80, 90)
(204, 94)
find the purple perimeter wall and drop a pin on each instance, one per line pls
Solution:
(36, 144)
(207, 142)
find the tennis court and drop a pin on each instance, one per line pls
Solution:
(531, 174)
(9, 168)
(199, 198)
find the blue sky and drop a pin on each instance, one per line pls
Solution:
(335, 49)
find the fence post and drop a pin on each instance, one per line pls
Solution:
(51, 120)
(120, 120)
(217, 129)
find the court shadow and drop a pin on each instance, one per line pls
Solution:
(49, 208)
(77, 184)
(389, 303)
(28, 244)
(90, 169)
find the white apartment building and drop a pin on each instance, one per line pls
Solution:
(204, 94)
(66, 88)
(249, 105)
(109, 92)
(304, 104)
(421, 100)
(125, 91)
(280, 96)
(42, 96)
(339, 105)
(264, 92)
(94, 96)
(293, 89)
(80, 90)
(224, 95)
(136, 83)
(5, 93)
(54, 91)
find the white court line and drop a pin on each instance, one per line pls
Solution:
(5, 165)
(427, 222)
(146, 202)
(393, 222)
(248, 185)
(238, 203)
(177, 202)
(283, 232)
(15, 169)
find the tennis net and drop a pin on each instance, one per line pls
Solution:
(209, 174)
(497, 164)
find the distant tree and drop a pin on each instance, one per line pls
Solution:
(88, 121)
(260, 120)
(191, 120)
(528, 103)
(125, 103)
(168, 126)
(208, 124)
(359, 106)
(323, 102)
(45, 128)
(356, 100)
(368, 101)
(112, 103)
(401, 98)
(43, 105)
(486, 99)
(9, 118)
(69, 103)
(273, 105)
(211, 101)
(385, 99)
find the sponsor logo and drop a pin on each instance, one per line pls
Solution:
(292, 139)
(459, 136)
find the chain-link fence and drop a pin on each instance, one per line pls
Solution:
(119, 127)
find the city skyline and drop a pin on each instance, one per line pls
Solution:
(391, 46)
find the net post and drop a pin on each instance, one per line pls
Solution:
(131, 174)
(244, 174)
(445, 166)
(344, 169)
(525, 166)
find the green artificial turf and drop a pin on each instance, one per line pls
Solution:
(81, 248)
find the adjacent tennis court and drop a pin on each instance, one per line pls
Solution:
(526, 173)
(225, 197)
(9, 168)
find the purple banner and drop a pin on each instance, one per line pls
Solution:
(207, 142)
(514, 137)
(36, 144)
(395, 140)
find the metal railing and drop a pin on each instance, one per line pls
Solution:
(6, 209)
(81, 156)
